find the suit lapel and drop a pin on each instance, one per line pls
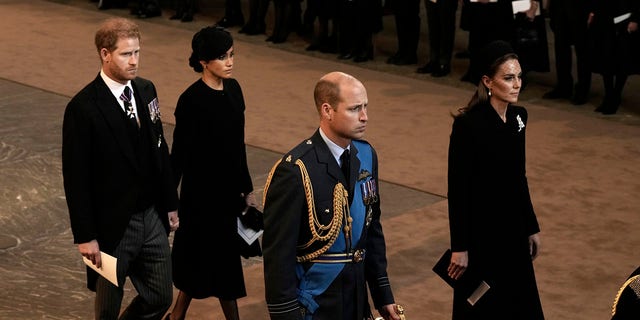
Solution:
(110, 108)
(145, 95)
(325, 157)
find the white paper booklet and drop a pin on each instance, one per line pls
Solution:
(108, 270)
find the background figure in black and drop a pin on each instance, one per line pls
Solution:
(359, 20)
(109, 4)
(626, 305)
(567, 21)
(257, 15)
(488, 21)
(184, 10)
(232, 14)
(533, 54)
(147, 9)
(614, 47)
(464, 26)
(287, 17)
(441, 21)
(324, 37)
(208, 153)
(407, 18)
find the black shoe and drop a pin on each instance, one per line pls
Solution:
(328, 48)
(312, 47)
(392, 59)
(279, 39)
(557, 93)
(580, 94)
(405, 61)
(441, 71)
(176, 16)
(226, 22)
(362, 58)
(150, 13)
(427, 68)
(187, 18)
(252, 29)
(346, 56)
(395, 58)
(578, 99)
(611, 107)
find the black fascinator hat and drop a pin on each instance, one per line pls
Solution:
(207, 44)
(494, 54)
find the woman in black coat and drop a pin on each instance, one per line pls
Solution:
(615, 47)
(494, 230)
(209, 160)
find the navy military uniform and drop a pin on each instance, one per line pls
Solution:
(627, 302)
(322, 246)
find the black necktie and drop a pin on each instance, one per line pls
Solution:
(128, 107)
(344, 159)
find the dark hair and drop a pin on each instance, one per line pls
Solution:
(207, 44)
(490, 58)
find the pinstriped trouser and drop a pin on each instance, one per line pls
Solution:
(145, 257)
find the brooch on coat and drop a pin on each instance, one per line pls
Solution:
(520, 123)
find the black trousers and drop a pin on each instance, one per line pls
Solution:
(567, 34)
(145, 257)
(441, 21)
(407, 19)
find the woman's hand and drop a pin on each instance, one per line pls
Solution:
(458, 264)
(534, 245)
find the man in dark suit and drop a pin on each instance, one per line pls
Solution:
(323, 241)
(568, 21)
(117, 178)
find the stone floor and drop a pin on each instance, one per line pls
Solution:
(582, 167)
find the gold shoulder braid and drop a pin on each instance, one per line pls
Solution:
(634, 286)
(266, 185)
(319, 232)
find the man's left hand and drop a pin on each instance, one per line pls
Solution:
(174, 221)
(389, 312)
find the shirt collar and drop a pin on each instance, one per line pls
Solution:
(335, 149)
(116, 87)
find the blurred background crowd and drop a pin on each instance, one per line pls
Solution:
(588, 36)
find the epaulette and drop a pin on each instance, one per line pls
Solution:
(298, 151)
(290, 158)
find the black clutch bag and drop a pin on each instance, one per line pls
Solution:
(252, 218)
(469, 283)
(252, 225)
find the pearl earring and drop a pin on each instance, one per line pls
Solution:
(489, 93)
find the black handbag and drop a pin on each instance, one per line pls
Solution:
(251, 218)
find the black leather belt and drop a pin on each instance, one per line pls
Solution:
(349, 257)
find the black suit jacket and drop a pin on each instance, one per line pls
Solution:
(99, 165)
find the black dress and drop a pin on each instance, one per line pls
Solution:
(209, 155)
(490, 213)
